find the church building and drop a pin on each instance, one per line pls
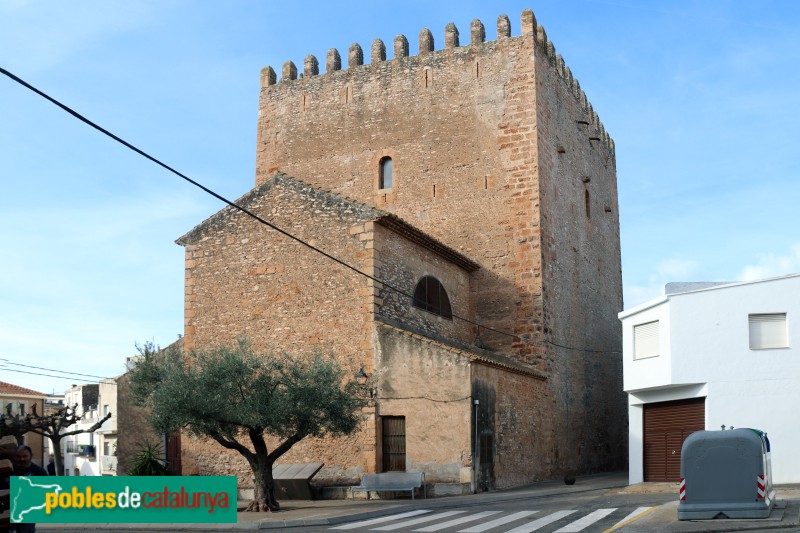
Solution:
(469, 197)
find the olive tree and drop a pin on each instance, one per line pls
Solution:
(238, 398)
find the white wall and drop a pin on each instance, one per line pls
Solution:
(708, 343)
(653, 371)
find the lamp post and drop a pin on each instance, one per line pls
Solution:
(362, 378)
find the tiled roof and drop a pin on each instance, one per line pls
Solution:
(15, 390)
(477, 355)
(384, 218)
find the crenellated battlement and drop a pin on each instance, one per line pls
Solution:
(378, 55)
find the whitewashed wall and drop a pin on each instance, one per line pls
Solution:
(705, 352)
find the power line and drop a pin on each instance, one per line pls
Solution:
(269, 224)
(53, 370)
(48, 375)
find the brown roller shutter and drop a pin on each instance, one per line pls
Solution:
(666, 426)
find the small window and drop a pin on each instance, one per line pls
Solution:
(431, 296)
(768, 331)
(385, 181)
(645, 340)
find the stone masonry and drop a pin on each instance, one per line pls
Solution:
(503, 188)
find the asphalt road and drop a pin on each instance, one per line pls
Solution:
(597, 511)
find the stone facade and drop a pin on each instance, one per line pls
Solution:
(503, 188)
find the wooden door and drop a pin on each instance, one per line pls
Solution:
(394, 443)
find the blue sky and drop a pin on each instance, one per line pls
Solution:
(700, 98)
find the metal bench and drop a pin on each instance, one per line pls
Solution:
(391, 482)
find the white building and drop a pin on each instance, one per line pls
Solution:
(708, 355)
(94, 453)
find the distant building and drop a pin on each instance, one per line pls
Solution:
(92, 453)
(713, 356)
(21, 401)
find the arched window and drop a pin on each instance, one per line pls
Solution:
(431, 296)
(385, 181)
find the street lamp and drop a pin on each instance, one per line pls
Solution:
(361, 376)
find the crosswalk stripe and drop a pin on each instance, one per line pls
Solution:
(543, 521)
(381, 519)
(498, 522)
(586, 521)
(629, 518)
(416, 521)
(457, 521)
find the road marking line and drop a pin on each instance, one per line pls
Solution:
(536, 524)
(586, 521)
(457, 521)
(498, 522)
(389, 518)
(414, 522)
(635, 515)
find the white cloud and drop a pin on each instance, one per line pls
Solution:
(665, 272)
(771, 265)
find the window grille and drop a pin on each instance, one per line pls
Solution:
(431, 296)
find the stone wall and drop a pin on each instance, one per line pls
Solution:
(582, 279)
(403, 263)
(512, 418)
(133, 428)
(244, 279)
(498, 153)
(429, 384)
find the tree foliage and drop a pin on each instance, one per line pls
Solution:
(236, 397)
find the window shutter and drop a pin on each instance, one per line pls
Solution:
(768, 331)
(645, 340)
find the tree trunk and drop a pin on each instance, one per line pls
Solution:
(55, 445)
(264, 499)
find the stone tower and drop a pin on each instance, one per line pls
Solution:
(491, 149)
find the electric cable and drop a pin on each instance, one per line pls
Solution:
(48, 375)
(269, 224)
(52, 369)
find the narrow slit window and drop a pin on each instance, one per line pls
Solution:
(385, 178)
(588, 202)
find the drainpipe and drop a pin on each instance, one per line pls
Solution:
(476, 402)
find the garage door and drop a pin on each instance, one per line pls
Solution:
(666, 426)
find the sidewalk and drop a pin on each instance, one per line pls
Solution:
(785, 514)
(301, 513)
